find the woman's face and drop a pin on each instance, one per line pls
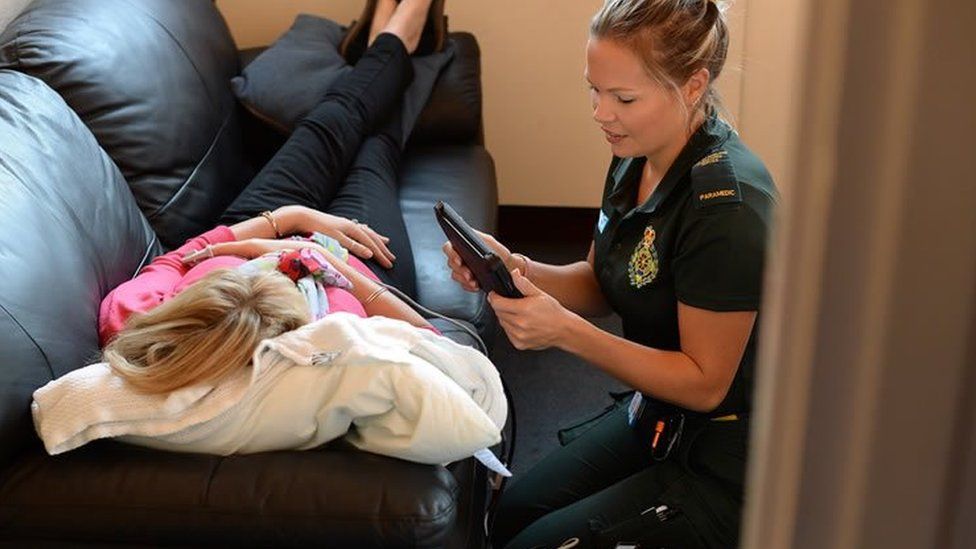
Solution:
(638, 116)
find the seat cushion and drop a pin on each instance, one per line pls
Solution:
(151, 79)
(69, 232)
(337, 497)
(464, 177)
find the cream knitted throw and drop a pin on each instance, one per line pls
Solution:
(388, 387)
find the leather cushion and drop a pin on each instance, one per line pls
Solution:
(151, 81)
(108, 491)
(69, 232)
(464, 177)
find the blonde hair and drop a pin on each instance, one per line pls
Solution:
(673, 38)
(207, 331)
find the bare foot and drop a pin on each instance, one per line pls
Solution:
(381, 17)
(407, 22)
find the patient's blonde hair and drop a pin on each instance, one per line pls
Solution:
(206, 332)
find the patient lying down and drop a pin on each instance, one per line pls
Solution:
(248, 359)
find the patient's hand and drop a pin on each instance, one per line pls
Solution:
(249, 248)
(360, 239)
(256, 247)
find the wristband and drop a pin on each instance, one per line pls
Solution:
(372, 297)
(274, 224)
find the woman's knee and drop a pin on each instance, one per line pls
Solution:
(517, 509)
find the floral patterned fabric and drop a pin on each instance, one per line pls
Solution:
(308, 269)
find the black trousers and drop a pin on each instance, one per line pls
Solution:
(605, 488)
(344, 157)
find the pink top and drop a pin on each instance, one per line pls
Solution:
(167, 276)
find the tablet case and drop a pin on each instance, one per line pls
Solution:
(487, 267)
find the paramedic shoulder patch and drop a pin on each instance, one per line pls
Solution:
(713, 181)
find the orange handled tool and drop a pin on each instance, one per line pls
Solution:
(658, 429)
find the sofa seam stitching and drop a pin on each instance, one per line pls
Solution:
(186, 182)
(210, 480)
(47, 361)
(145, 255)
(179, 45)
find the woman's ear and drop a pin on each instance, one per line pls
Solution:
(696, 87)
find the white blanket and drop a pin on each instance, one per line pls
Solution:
(389, 387)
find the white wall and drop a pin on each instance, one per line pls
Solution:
(9, 9)
(538, 122)
(772, 60)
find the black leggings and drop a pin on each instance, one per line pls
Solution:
(344, 157)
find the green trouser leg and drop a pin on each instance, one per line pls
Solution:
(602, 489)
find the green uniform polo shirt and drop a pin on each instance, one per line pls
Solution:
(700, 238)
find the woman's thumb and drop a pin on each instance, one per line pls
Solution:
(523, 284)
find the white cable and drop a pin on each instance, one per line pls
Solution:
(425, 310)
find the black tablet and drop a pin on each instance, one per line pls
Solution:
(487, 267)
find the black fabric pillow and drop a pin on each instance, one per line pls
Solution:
(286, 81)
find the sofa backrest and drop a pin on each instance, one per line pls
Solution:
(150, 79)
(453, 114)
(69, 232)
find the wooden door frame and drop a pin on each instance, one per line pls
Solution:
(865, 389)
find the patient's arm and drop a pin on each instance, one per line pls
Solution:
(364, 286)
(358, 238)
(386, 304)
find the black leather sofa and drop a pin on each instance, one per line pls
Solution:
(119, 138)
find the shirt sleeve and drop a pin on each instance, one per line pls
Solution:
(154, 284)
(719, 259)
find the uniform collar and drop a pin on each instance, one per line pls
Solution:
(711, 135)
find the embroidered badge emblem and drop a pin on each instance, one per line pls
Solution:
(643, 264)
(712, 159)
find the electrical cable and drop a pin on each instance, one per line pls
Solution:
(420, 308)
